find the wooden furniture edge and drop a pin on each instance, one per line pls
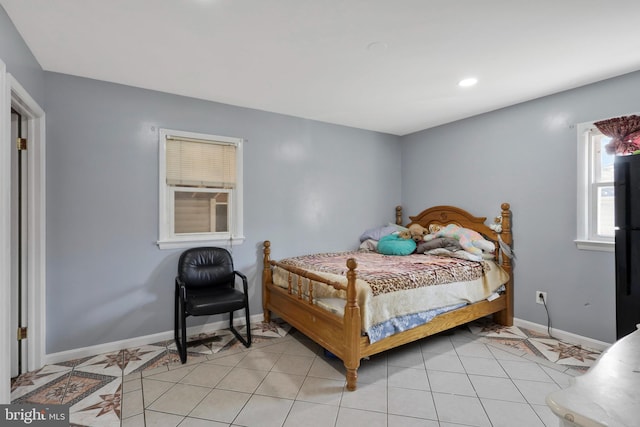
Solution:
(440, 323)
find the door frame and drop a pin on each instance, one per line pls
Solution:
(12, 93)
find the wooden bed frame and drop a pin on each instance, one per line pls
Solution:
(342, 335)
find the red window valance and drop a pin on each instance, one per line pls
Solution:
(624, 131)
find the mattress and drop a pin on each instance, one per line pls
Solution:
(396, 292)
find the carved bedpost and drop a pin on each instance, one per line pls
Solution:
(399, 215)
(505, 317)
(266, 279)
(353, 327)
(506, 224)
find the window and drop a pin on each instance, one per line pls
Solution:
(595, 190)
(200, 189)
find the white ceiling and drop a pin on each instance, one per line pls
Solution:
(384, 65)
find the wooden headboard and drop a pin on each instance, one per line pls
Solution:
(443, 215)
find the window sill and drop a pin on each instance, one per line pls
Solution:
(594, 245)
(188, 243)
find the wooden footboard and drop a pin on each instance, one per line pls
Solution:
(342, 335)
(338, 334)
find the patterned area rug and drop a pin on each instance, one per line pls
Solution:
(92, 386)
(535, 343)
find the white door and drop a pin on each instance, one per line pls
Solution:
(19, 240)
(13, 95)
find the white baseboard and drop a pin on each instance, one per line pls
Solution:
(95, 350)
(110, 347)
(565, 336)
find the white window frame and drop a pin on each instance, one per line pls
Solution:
(167, 238)
(587, 238)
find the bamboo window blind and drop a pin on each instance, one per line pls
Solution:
(197, 163)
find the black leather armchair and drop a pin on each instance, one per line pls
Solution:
(205, 285)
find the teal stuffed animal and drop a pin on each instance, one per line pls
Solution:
(396, 244)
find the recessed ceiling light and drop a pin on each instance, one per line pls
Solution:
(471, 81)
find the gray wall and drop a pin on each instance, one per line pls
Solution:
(19, 60)
(107, 281)
(526, 155)
(308, 186)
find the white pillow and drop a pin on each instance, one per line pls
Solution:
(398, 227)
(369, 245)
(377, 233)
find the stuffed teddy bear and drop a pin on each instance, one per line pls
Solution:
(418, 232)
(497, 225)
(471, 241)
(405, 234)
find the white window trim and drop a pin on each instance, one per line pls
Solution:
(584, 241)
(166, 238)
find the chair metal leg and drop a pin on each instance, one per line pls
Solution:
(245, 342)
(183, 354)
(180, 329)
(175, 316)
(246, 315)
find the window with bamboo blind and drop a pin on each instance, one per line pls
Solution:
(200, 189)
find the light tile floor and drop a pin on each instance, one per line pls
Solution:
(480, 375)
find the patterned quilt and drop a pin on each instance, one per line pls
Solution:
(386, 273)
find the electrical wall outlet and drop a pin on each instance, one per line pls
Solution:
(541, 297)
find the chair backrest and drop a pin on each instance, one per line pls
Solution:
(205, 267)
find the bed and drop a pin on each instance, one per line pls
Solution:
(306, 297)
